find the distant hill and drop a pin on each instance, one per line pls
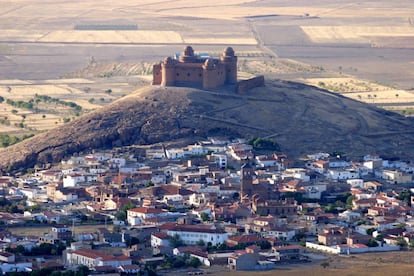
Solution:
(301, 118)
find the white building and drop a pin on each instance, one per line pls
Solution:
(264, 161)
(296, 173)
(72, 180)
(396, 176)
(342, 174)
(93, 258)
(220, 159)
(185, 152)
(159, 239)
(355, 183)
(136, 216)
(191, 234)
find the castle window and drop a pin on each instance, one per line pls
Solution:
(178, 74)
(200, 75)
(188, 74)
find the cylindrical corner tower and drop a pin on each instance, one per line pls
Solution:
(230, 61)
(168, 72)
(209, 75)
(187, 55)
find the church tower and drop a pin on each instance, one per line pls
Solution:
(246, 172)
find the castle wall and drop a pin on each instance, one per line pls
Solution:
(245, 85)
(189, 74)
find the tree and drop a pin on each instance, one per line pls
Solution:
(325, 264)
(263, 144)
(205, 217)
(372, 243)
(411, 245)
(194, 262)
(201, 243)
(371, 230)
(83, 270)
(264, 245)
(176, 241)
(122, 215)
(402, 242)
(349, 202)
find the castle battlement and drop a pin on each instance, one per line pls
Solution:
(193, 70)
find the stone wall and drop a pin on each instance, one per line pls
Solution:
(245, 85)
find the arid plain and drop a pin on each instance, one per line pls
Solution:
(92, 53)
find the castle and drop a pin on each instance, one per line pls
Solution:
(197, 71)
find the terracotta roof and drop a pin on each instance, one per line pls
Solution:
(146, 210)
(160, 235)
(245, 239)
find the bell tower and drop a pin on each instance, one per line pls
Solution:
(246, 172)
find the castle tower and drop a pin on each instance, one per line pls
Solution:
(246, 172)
(230, 62)
(187, 55)
(168, 72)
(209, 74)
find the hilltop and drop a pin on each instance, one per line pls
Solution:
(299, 117)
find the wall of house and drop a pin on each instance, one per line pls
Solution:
(245, 85)
(193, 237)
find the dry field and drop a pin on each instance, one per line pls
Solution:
(397, 100)
(378, 264)
(44, 53)
(37, 231)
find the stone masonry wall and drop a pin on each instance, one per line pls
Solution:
(245, 85)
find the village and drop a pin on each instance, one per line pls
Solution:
(217, 203)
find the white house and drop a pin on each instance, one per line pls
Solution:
(185, 152)
(29, 193)
(283, 233)
(296, 173)
(337, 163)
(136, 216)
(197, 199)
(264, 161)
(220, 160)
(349, 216)
(191, 234)
(356, 183)
(6, 257)
(93, 258)
(159, 239)
(338, 174)
(17, 267)
(129, 269)
(72, 180)
(315, 190)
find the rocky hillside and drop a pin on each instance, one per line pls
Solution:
(301, 118)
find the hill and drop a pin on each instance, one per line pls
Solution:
(301, 118)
